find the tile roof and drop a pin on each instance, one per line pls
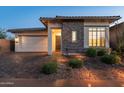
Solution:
(80, 17)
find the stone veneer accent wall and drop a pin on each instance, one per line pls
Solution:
(67, 28)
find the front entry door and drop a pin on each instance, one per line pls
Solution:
(58, 43)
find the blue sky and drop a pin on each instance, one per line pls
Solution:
(25, 17)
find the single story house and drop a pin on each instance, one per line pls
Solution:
(72, 34)
(117, 36)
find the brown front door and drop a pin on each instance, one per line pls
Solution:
(58, 43)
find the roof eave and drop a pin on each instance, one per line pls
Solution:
(26, 30)
(111, 19)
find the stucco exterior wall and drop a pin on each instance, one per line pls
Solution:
(4, 45)
(96, 23)
(116, 34)
(114, 38)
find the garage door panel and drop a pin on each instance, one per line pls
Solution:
(33, 44)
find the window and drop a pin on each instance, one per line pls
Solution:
(74, 36)
(97, 37)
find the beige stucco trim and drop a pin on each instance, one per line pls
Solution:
(107, 43)
(86, 36)
(96, 23)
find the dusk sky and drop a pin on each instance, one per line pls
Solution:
(25, 17)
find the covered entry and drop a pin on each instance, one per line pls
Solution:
(56, 40)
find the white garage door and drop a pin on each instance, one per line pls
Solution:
(32, 44)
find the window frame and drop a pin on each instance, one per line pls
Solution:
(100, 30)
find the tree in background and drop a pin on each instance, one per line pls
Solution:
(10, 36)
(2, 34)
(6, 35)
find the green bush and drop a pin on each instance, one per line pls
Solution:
(106, 59)
(75, 63)
(111, 59)
(49, 68)
(91, 52)
(101, 52)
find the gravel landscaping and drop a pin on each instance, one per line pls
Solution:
(28, 65)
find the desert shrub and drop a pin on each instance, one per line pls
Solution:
(75, 63)
(116, 59)
(114, 53)
(91, 52)
(111, 59)
(49, 68)
(101, 52)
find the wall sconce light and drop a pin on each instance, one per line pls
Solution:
(16, 40)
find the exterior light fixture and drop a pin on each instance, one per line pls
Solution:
(16, 40)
